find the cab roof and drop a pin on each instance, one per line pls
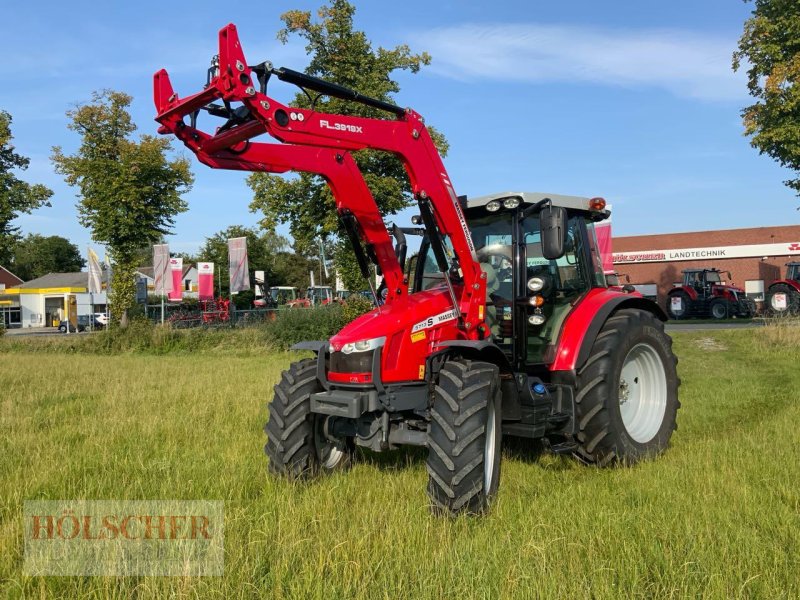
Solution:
(569, 202)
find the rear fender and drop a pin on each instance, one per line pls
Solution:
(795, 285)
(584, 323)
(690, 291)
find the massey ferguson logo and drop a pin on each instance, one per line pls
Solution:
(433, 321)
(340, 126)
(794, 247)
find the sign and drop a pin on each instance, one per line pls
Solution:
(95, 273)
(176, 267)
(676, 303)
(711, 252)
(161, 270)
(205, 280)
(237, 264)
(779, 301)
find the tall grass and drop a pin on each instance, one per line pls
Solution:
(717, 516)
(143, 337)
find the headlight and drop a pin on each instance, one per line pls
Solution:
(493, 206)
(363, 345)
(536, 319)
(535, 284)
(512, 202)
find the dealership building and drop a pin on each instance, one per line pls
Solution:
(755, 257)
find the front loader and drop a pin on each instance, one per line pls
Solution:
(505, 326)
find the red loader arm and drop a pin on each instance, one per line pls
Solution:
(321, 143)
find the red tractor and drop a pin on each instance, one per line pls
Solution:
(703, 295)
(507, 326)
(318, 295)
(783, 296)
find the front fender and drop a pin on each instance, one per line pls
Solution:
(585, 321)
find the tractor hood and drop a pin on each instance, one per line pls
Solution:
(424, 309)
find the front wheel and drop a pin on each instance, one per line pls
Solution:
(719, 309)
(464, 438)
(298, 445)
(627, 399)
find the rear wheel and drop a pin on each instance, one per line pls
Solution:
(627, 399)
(298, 445)
(464, 438)
(783, 300)
(719, 309)
(678, 305)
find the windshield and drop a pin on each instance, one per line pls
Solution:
(712, 277)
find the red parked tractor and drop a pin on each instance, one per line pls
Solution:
(783, 296)
(704, 295)
(507, 326)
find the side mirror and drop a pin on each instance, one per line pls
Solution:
(553, 220)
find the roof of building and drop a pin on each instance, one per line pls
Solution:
(8, 278)
(58, 280)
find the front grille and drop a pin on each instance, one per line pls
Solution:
(355, 362)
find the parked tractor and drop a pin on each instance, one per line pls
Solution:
(317, 295)
(703, 295)
(783, 296)
(278, 295)
(507, 326)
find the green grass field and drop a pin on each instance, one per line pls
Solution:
(717, 516)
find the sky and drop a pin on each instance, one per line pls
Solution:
(629, 100)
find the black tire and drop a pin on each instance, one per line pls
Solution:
(792, 300)
(465, 429)
(603, 436)
(296, 445)
(62, 329)
(686, 304)
(719, 309)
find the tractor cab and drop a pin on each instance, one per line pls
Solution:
(702, 280)
(793, 271)
(528, 293)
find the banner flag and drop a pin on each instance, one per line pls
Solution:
(205, 280)
(95, 273)
(603, 232)
(162, 277)
(237, 264)
(176, 266)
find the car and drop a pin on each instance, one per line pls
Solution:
(100, 319)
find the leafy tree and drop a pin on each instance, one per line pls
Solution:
(345, 56)
(770, 46)
(16, 196)
(37, 255)
(292, 270)
(264, 250)
(130, 192)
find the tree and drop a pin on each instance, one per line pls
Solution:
(37, 255)
(345, 56)
(130, 192)
(770, 46)
(263, 252)
(16, 196)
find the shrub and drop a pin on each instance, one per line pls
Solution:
(294, 325)
(355, 306)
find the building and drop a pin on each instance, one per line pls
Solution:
(754, 257)
(9, 309)
(44, 301)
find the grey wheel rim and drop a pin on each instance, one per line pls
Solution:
(490, 449)
(643, 392)
(329, 454)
